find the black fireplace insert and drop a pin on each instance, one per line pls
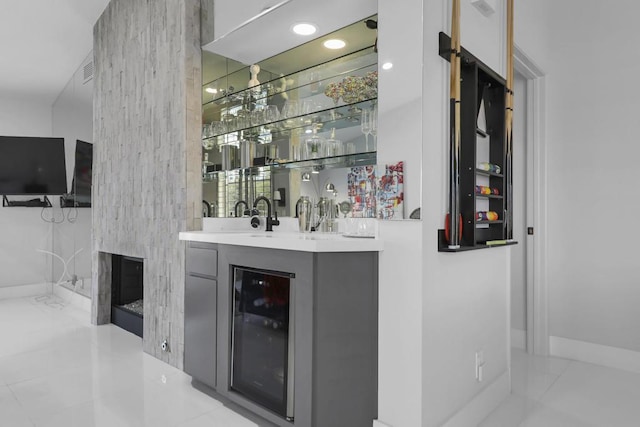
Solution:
(127, 293)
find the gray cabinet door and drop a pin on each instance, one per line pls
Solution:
(201, 295)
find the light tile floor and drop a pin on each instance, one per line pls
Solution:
(553, 392)
(56, 369)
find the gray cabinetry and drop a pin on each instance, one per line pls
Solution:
(334, 322)
(200, 301)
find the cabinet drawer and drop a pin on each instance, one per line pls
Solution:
(202, 259)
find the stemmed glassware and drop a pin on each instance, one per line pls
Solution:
(290, 112)
(333, 146)
(374, 125)
(271, 115)
(369, 125)
(207, 141)
(365, 125)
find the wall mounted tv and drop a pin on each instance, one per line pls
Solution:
(81, 185)
(32, 165)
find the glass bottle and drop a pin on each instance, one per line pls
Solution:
(314, 146)
(334, 146)
(304, 208)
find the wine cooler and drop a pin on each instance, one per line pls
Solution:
(262, 345)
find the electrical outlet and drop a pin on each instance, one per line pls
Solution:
(479, 365)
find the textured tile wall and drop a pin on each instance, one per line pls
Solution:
(147, 185)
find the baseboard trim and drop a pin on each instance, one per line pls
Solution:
(582, 351)
(518, 339)
(23, 291)
(483, 404)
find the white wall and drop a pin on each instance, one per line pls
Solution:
(73, 119)
(400, 400)
(518, 252)
(465, 295)
(593, 104)
(23, 231)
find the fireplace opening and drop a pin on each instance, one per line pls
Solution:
(126, 293)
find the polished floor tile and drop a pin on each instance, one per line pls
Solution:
(553, 392)
(56, 369)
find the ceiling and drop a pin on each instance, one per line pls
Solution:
(268, 33)
(42, 43)
(357, 36)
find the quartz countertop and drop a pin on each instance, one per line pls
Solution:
(292, 241)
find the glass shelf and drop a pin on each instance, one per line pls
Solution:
(344, 116)
(358, 63)
(348, 160)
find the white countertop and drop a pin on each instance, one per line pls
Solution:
(292, 241)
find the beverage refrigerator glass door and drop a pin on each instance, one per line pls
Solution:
(262, 339)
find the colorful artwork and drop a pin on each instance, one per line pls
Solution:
(361, 190)
(377, 191)
(390, 191)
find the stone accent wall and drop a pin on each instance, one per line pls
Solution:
(206, 21)
(147, 183)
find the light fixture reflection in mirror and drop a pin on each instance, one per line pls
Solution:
(330, 188)
(306, 177)
(334, 44)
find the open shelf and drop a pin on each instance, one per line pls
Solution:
(444, 247)
(487, 173)
(358, 62)
(348, 160)
(345, 116)
(488, 196)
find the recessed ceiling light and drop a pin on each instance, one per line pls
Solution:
(387, 66)
(211, 90)
(304, 29)
(308, 131)
(334, 44)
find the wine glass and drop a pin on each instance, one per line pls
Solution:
(290, 111)
(207, 140)
(271, 116)
(374, 125)
(365, 125)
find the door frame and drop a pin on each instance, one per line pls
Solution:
(536, 287)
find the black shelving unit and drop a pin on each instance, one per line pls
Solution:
(480, 85)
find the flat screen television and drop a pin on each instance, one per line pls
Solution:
(32, 165)
(81, 184)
